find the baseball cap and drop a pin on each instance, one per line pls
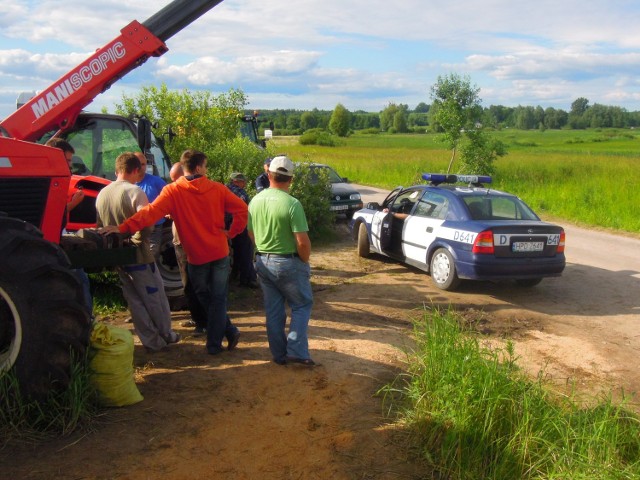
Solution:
(238, 176)
(282, 165)
(267, 161)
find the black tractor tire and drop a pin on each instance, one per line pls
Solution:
(168, 267)
(364, 248)
(43, 322)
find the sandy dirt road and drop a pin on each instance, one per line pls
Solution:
(238, 415)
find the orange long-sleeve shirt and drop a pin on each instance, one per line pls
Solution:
(197, 208)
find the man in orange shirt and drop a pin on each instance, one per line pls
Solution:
(197, 205)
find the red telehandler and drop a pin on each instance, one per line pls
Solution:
(43, 324)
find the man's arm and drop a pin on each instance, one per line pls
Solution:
(303, 245)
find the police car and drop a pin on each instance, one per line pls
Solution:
(457, 232)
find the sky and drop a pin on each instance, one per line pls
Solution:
(305, 54)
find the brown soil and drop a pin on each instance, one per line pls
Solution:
(238, 415)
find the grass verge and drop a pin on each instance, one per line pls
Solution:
(474, 415)
(60, 414)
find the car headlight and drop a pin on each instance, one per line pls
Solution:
(354, 196)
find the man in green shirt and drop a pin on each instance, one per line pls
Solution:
(278, 227)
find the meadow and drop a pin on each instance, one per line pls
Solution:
(587, 177)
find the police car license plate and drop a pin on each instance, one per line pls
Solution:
(333, 208)
(527, 246)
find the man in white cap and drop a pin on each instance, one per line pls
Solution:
(279, 229)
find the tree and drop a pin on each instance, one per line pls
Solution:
(340, 121)
(400, 122)
(308, 121)
(455, 109)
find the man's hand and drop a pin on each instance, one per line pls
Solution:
(108, 229)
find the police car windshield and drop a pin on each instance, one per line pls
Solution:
(487, 207)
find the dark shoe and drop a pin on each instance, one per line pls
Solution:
(307, 362)
(233, 341)
(188, 323)
(199, 332)
(251, 284)
(280, 361)
(214, 351)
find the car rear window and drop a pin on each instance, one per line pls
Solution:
(488, 207)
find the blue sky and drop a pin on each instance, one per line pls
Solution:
(308, 54)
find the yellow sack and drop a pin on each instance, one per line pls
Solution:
(111, 366)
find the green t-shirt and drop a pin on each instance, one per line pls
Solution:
(274, 217)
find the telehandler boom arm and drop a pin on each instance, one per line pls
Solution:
(58, 106)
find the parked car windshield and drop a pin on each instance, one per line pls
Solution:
(333, 176)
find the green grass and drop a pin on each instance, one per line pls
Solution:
(475, 415)
(586, 177)
(61, 413)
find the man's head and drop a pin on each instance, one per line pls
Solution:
(238, 179)
(143, 164)
(266, 164)
(64, 146)
(281, 169)
(193, 162)
(176, 171)
(128, 167)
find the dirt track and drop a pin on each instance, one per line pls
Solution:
(240, 416)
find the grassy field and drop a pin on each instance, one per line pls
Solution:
(584, 176)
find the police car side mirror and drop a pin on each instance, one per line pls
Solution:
(373, 206)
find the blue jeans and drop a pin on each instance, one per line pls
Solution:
(286, 279)
(210, 283)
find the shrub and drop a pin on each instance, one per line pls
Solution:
(317, 136)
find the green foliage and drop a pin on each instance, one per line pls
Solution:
(318, 136)
(394, 116)
(340, 121)
(200, 119)
(479, 154)
(314, 193)
(556, 172)
(456, 110)
(60, 413)
(475, 415)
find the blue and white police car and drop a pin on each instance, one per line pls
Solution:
(455, 228)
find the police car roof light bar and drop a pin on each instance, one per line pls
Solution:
(472, 180)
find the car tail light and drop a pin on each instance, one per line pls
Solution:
(560, 248)
(483, 243)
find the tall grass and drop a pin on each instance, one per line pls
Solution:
(586, 177)
(476, 416)
(60, 413)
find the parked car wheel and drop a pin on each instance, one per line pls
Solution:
(363, 241)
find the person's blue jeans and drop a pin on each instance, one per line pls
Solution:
(286, 280)
(210, 283)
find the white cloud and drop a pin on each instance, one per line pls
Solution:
(357, 52)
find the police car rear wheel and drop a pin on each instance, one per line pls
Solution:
(363, 241)
(443, 270)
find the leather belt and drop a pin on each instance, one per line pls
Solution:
(278, 255)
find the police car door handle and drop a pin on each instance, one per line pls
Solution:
(429, 229)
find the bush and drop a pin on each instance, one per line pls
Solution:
(317, 136)
(315, 198)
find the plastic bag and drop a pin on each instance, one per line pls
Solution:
(111, 366)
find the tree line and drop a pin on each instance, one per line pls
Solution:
(399, 118)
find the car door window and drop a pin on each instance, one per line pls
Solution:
(432, 205)
(405, 201)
